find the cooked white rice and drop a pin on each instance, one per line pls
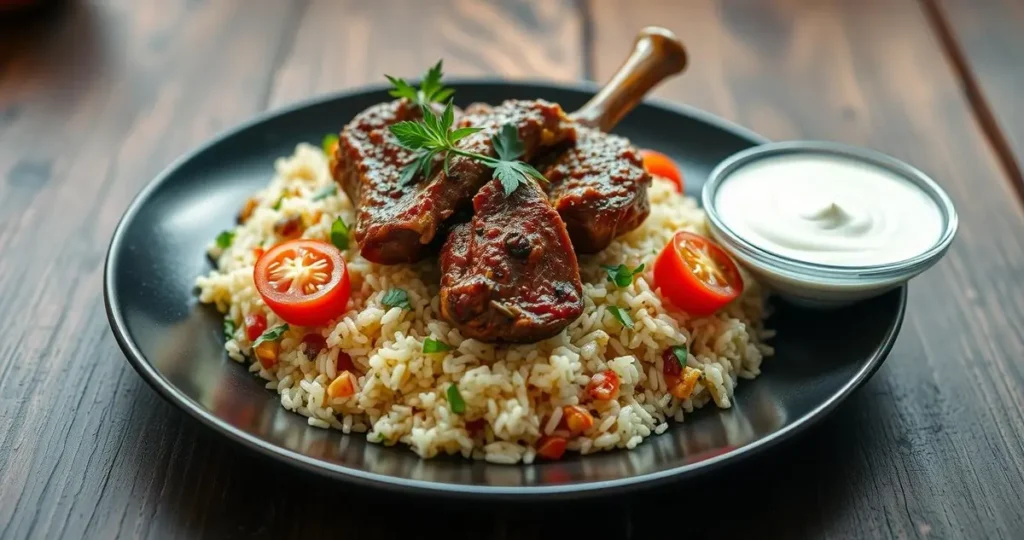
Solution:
(518, 390)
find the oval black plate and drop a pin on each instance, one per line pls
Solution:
(176, 345)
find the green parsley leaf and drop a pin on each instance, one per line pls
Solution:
(411, 135)
(328, 143)
(431, 84)
(277, 205)
(229, 329)
(455, 401)
(431, 89)
(225, 238)
(325, 192)
(680, 353)
(621, 275)
(622, 316)
(434, 135)
(273, 334)
(431, 345)
(396, 297)
(507, 144)
(339, 234)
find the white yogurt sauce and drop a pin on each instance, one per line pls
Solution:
(828, 210)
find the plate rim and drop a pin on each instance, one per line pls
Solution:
(172, 394)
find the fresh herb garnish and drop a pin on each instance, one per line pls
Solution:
(325, 192)
(679, 351)
(396, 297)
(431, 345)
(277, 205)
(273, 334)
(339, 234)
(328, 143)
(455, 401)
(622, 316)
(434, 136)
(225, 238)
(431, 90)
(229, 329)
(621, 275)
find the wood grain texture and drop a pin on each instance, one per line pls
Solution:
(100, 96)
(984, 41)
(935, 442)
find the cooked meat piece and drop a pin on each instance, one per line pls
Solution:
(396, 223)
(368, 165)
(510, 274)
(599, 187)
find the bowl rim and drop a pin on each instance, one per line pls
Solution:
(167, 390)
(819, 273)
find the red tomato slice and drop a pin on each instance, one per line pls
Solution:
(661, 165)
(696, 274)
(305, 282)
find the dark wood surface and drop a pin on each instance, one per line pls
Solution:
(97, 97)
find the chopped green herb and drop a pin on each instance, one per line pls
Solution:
(327, 144)
(229, 329)
(621, 275)
(431, 89)
(273, 334)
(339, 234)
(325, 192)
(680, 353)
(431, 345)
(396, 297)
(277, 205)
(455, 401)
(225, 238)
(622, 316)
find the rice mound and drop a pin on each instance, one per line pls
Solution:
(518, 390)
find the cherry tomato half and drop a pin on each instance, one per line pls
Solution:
(661, 165)
(305, 282)
(696, 275)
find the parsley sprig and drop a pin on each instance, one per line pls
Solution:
(430, 91)
(434, 136)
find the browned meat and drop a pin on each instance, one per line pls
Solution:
(510, 274)
(368, 166)
(396, 223)
(599, 187)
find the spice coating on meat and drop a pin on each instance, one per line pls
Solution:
(510, 274)
(368, 165)
(395, 223)
(599, 187)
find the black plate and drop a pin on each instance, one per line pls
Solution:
(176, 345)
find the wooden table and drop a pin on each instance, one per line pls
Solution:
(97, 97)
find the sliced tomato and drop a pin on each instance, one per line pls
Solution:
(661, 165)
(696, 274)
(305, 282)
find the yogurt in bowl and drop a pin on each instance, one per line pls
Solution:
(825, 224)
